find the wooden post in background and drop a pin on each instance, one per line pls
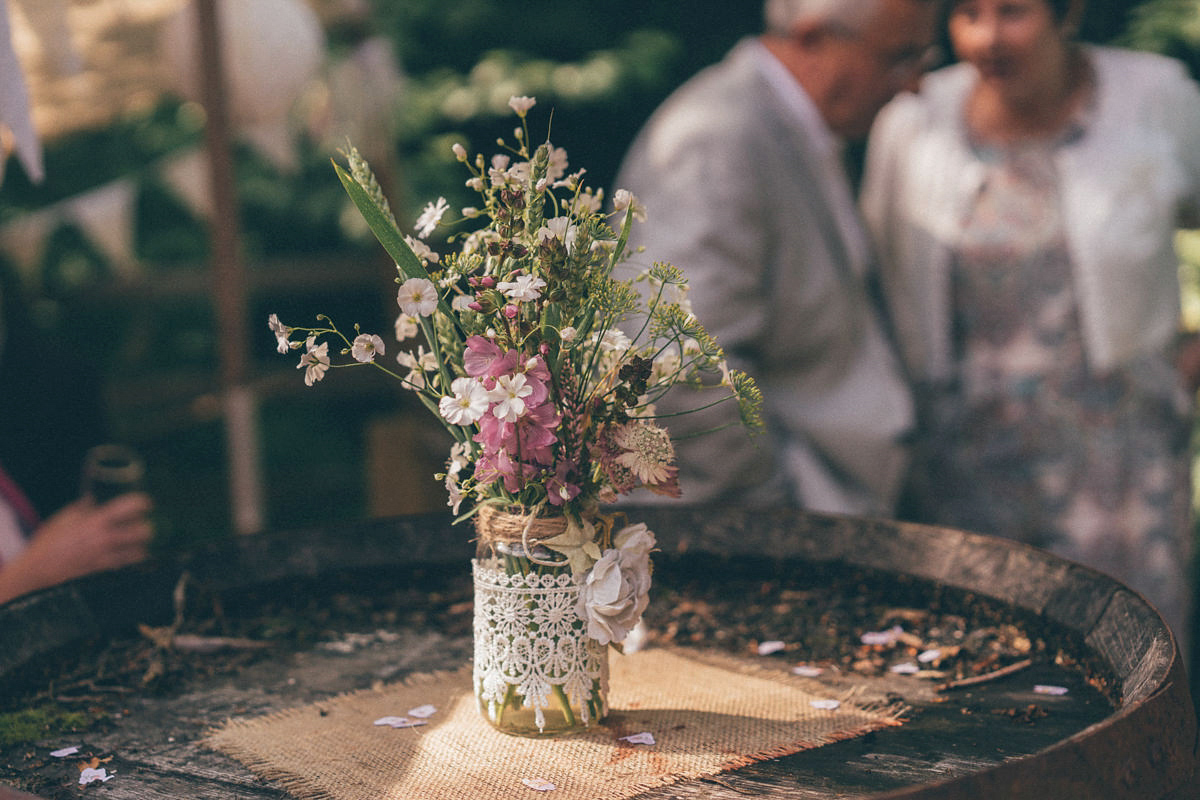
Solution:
(229, 283)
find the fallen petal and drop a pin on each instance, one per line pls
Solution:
(540, 784)
(825, 705)
(388, 720)
(422, 712)
(907, 668)
(766, 648)
(882, 637)
(929, 655)
(806, 671)
(1044, 689)
(90, 775)
(639, 738)
(64, 752)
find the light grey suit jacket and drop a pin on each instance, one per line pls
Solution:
(734, 198)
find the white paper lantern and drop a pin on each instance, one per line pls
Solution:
(271, 49)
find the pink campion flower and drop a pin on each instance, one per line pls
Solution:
(484, 357)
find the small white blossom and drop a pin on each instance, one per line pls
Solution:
(430, 217)
(406, 327)
(417, 297)
(461, 302)
(559, 228)
(509, 396)
(624, 200)
(422, 251)
(459, 151)
(568, 333)
(365, 346)
(557, 166)
(614, 341)
(467, 404)
(314, 362)
(525, 288)
(282, 332)
(521, 105)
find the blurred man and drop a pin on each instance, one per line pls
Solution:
(742, 178)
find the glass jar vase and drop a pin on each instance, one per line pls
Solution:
(536, 671)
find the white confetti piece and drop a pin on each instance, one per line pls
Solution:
(639, 738)
(825, 705)
(929, 655)
(804, 670)
(64, 752)
(907, 668)
(766, 648)
(89, 775)
(539, 784)
(1054, 690)
(882, 637)
(422, 712)
(400, 722)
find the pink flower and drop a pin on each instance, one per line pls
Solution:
(483, 357)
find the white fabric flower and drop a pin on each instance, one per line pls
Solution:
(467, 404)
(509, 396)
(314, 362)
(617, 590)
(282, 332)
(417, 297)
(430, 217)
(365, 346)
(525, 288)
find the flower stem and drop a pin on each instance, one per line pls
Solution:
(565, 703)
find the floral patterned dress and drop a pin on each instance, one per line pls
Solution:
(1029, 443)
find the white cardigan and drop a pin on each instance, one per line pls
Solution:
(1124, 184)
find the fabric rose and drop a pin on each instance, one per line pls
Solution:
(617, 589)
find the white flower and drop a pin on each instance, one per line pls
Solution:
(430, 217)
(417, 297)
(460, 152)
(365, 346)
(617, 588)
(525, 288)
(588, 202)
(418, 365)
(422, 251)
(665, 368)
(509, 396)
(461, 302)
(282, 332)
(458, 458)
(467, 404)
(454, 493)
(406, 327)
(314, 362)
(615, 341)
(568, 333)
(557, 166)
(521, 105)
(624, 200)
(559, 228)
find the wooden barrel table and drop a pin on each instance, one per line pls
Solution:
(1124, 728)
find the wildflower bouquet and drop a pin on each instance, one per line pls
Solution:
(544, 366)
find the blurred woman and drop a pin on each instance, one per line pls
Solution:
(1024, 205)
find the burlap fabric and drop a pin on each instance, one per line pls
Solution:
(707, 714)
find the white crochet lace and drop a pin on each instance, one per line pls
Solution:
(529, 635)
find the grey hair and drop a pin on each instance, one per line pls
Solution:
(782, 15)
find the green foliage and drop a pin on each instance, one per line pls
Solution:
(30, 725)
